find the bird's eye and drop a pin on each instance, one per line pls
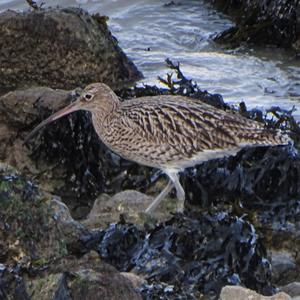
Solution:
(88, 97)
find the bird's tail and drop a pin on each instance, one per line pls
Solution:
(265, 137)
(282, 138)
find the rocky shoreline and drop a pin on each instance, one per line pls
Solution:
(70, 209)
(261, 22)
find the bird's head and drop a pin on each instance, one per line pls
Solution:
(96, 97)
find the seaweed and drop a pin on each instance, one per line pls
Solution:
(11, 285)
(187, 255)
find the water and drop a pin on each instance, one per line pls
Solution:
(150, 32)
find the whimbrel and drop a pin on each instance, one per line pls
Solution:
(167, 132)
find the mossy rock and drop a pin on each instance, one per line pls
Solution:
(33, 224)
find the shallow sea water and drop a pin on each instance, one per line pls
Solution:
(149, 32)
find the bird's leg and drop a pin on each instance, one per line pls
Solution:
(179, 191)
(160, 197)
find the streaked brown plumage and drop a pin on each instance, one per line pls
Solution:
(167, 132)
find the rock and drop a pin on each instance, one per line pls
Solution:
(238, 292)
(86, 278)
(285, 268)
(260, 22)
(60, 48)
(292, 289)
(89, 284)
(136, 280)
(18, 111)
(131, 204)
(36, 228)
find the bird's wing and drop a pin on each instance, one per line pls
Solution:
(179, 121)
(197, 126)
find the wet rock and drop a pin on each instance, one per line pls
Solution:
(238, 292)
(60, 48)
(292, 289)
(83, 284)
(19, 110)
(38, 238)
(260, 22)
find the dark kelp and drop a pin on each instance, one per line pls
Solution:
(11, 285)
(187, 255)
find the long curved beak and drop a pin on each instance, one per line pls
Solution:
(65, 111)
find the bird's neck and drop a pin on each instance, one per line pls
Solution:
(104, 112)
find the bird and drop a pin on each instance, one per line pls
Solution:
(168, 132)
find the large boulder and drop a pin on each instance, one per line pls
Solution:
(60, 48)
